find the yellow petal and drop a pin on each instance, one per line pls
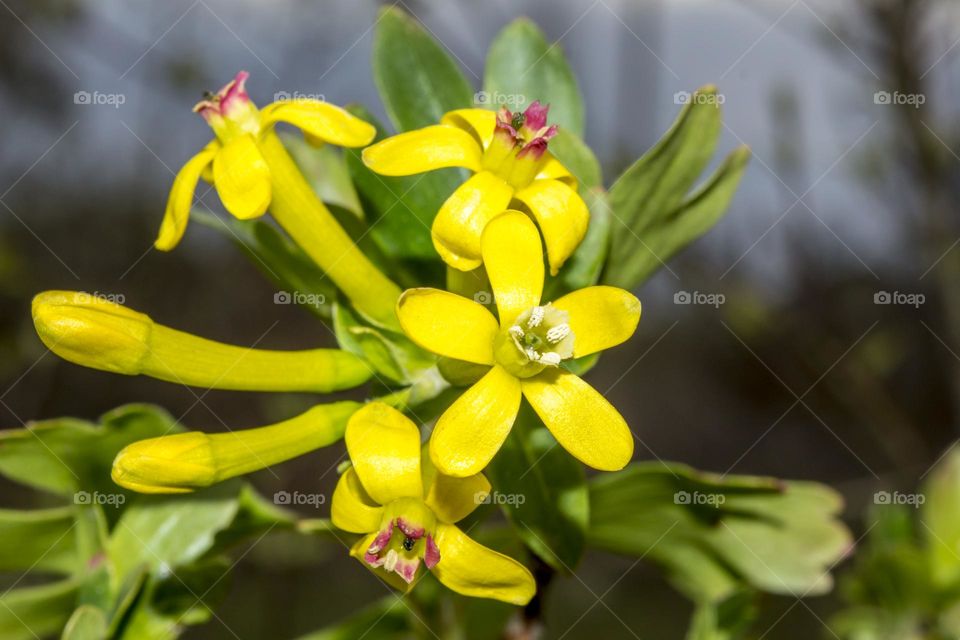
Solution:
(422, 150)
(353, 509)
(459, 224)
(478, 122)
(600, 317)
(452, 499)
(447, 324)
(553, 170)
(471, 431)
(181, 199)
(242, 178)
(514, 262)
(320, 121)
(471, 569)
(384, 446)
(562, 215)
(581, 419)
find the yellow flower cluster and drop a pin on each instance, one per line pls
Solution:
(403, 497)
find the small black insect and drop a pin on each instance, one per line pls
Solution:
(408, 544)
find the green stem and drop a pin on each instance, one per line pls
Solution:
(303, 215)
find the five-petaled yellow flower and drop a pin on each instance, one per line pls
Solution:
(524, 351)
(233, 160)
(406, 509)
(512, 169)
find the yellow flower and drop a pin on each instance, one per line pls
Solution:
(95, 332)
(252, 170)
(524, 351)
(183, 462)
(407, 510)
(234, 161)
(507, 154)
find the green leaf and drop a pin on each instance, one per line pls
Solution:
(574, 154)
(892, 571)
(522, 63)
(66, 455)
(86, 623)
(391, 355)
(255, 517)
(653, 215)
(189, 595)
(542, 491)
(145, 621)
(39, 540)
(417, 79)
(941, 517)
(164, 532)
(35, 612)
(697, 215)
(715, 533)
(400, 209)
(128, 594)
(326, 170)
(280, 259)
(386, 619)
(726, 620)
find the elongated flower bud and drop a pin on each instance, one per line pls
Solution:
(183, 462)
(95, 332)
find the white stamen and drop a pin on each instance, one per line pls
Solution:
(516, 331)
(536, 317)
(550, 358)
(391, 559)
(558, 333)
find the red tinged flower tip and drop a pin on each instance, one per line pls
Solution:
(505, 121)
(432, 555)
(379, 543)
(535, 117)
(402, 553)
(227, 100)
(527, 130)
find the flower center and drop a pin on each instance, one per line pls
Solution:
(230, 112)
(519, 143)
(405, 538)
(540, 337)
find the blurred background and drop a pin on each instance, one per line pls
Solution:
(814, 334)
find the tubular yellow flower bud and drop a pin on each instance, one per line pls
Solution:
(95, 332)
(298, 210)
(183, 462)
(91, 330)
